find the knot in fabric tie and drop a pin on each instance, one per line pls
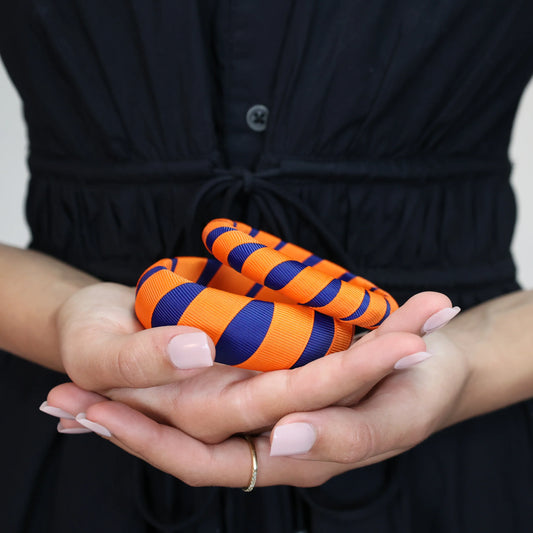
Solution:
(271, 201)
(247, 179)
(230, 182)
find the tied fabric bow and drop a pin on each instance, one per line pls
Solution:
(266, 304)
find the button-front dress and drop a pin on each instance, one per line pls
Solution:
(372, 133)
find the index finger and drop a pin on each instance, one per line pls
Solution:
(259, 402)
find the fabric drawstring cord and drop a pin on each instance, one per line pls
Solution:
(266, 304)
(268, 199)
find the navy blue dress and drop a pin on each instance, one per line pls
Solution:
(373, 133)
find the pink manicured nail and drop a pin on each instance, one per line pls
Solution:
(55, 411)
(190, 350)
(439, 319)
(93, 426)
(413, 359)
(72, 431)
(292, 439)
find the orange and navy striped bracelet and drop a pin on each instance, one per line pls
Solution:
(267, 304)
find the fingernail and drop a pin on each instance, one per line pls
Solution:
(93, 426)
(190, 350)
(72, 431)
(411, 360)
(54, 411)
(292, 439)
(439, 319)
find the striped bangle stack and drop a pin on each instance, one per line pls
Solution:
(267, 304)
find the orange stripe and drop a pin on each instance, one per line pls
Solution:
(261, 262)
(212, 310)
(374, 313)
(213, 224)
(295, 252)
(191, 267)
(162, 262)
(285, 340)
(306, 285)
(227, 279)
(267, 239)
(347, 301)
(343, 337)
(225, 243)
(262, 236)
(269, 295)
(152, 290)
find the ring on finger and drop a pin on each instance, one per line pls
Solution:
(253, 454)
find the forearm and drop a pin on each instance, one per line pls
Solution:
(496, 339)
(33, 287)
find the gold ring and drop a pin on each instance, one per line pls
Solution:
(253, 476)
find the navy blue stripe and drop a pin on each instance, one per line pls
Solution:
(326, 295)
(240, 254)
(282, 274)
(253, 232)
(252, 293)
(174, 264)
(347, 276)
(319, 341)
(373, 289)
(312, 260)
(147, 274)
(214, 234)
(361, 309)
(280, 245)
(211, 268)
(245, 333)
(387, 313)
(169, 309)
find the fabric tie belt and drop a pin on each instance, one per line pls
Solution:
(267, 304)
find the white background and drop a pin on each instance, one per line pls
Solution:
(13, 175)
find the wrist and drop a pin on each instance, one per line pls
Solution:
(33, 287)
(494, 340)
(456, 369)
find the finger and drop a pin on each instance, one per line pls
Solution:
(226, 464)
(147, 358)
(261, 401)
(71, 399)
(65, 402)
(422, 313)
(190, 404)
(385, 425)
(338, 434)
(230, 404)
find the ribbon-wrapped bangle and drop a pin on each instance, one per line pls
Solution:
(267, 304)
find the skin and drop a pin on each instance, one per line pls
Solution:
(361, 409)
(215, 404)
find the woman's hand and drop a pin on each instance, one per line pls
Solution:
(213, 408)
(213, 405)
(402, 410)
(103, 346)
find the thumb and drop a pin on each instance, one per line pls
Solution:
(151, 357)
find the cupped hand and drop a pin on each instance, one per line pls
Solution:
(341, 412)
(103, 346)
(212, 405)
